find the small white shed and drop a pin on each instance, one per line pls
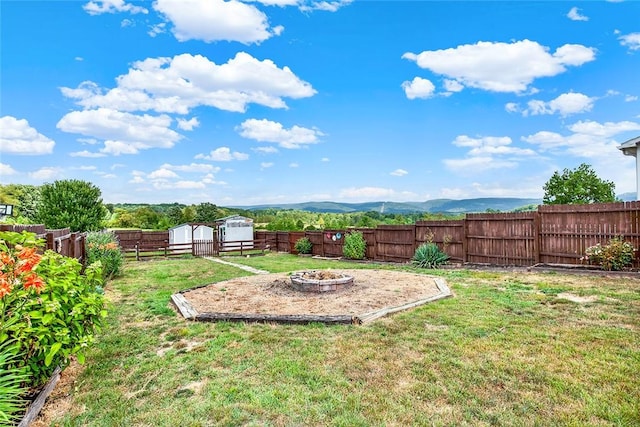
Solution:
(235, 231)
(188, 233)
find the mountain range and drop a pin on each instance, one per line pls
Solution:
(433, 206)
(447, 206)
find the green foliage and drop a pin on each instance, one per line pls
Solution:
(355, 247)
(24, 198)
(429, 255)
(47, 307)
(615, 256)
(71, 203)
(578, 186)
(12, 384)
(208, 212)
(104, 246)
(303, 245)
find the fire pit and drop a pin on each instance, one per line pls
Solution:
(320, 281)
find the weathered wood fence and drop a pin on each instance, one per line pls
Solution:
(61, 240)
(554, 234)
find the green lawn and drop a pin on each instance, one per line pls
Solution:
(504, 351)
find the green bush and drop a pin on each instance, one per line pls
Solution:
(429, 255)
(104, 246)
(355, 247)
(47, 306)
(303, 245)
(615, 256)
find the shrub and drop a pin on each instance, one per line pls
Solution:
(47, 307)
(303, 245)
(104, 246)
(615, 256)
(355, 247)
(429, 255)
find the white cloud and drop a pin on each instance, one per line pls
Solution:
(163, 173)
(46, 173)
(266, 165)
(86, 153)
(472, 165)
(192, 168)
(266, 150)
(6, 169)
(575, 15)
(214, 20)
(325, 159)
(452, 85)
(587, 139)
(294, 165)
(99, 7)
(137, 180)
(17, 137)
(418, 88)
(486, 153)
(399, 172)
(630, 98)
(501, 67)
(178, 84)
(268, 131)
(188, 124)
(185, 185)
(363, 194)
(222, 154)
(632, 41)
(565, 105)
(327, 5)
(157, 29)
(512, 107)
(123, 133)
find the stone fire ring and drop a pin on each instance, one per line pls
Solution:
(438, 289)
(308, 281)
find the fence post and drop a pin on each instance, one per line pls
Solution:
(465, 246)
(537, 237)
(137, 251)
(166, 243)
(72, 245)
(50, 243)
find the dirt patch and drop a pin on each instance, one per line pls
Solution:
(273, 294)
(576, 298)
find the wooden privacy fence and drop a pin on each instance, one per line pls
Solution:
(554, 234)
(62, 241)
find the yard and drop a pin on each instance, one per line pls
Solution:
(510, 348)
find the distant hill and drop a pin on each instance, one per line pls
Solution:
(433, 206)
(627, 197)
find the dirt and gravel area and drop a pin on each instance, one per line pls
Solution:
(273, 294)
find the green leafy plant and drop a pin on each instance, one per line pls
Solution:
(104, 246)
(355, 247)
(12, 384)
(303, 245)
(47, 306)
(429, 255)
(615, 256)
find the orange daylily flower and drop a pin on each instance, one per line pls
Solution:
(34, 281)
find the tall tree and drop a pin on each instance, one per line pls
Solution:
(71, 203)
(578, 186)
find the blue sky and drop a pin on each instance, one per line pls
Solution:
(283, 101)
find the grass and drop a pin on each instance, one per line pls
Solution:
(504, 351)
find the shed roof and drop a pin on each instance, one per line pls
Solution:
(232, 217)
(192, 224)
